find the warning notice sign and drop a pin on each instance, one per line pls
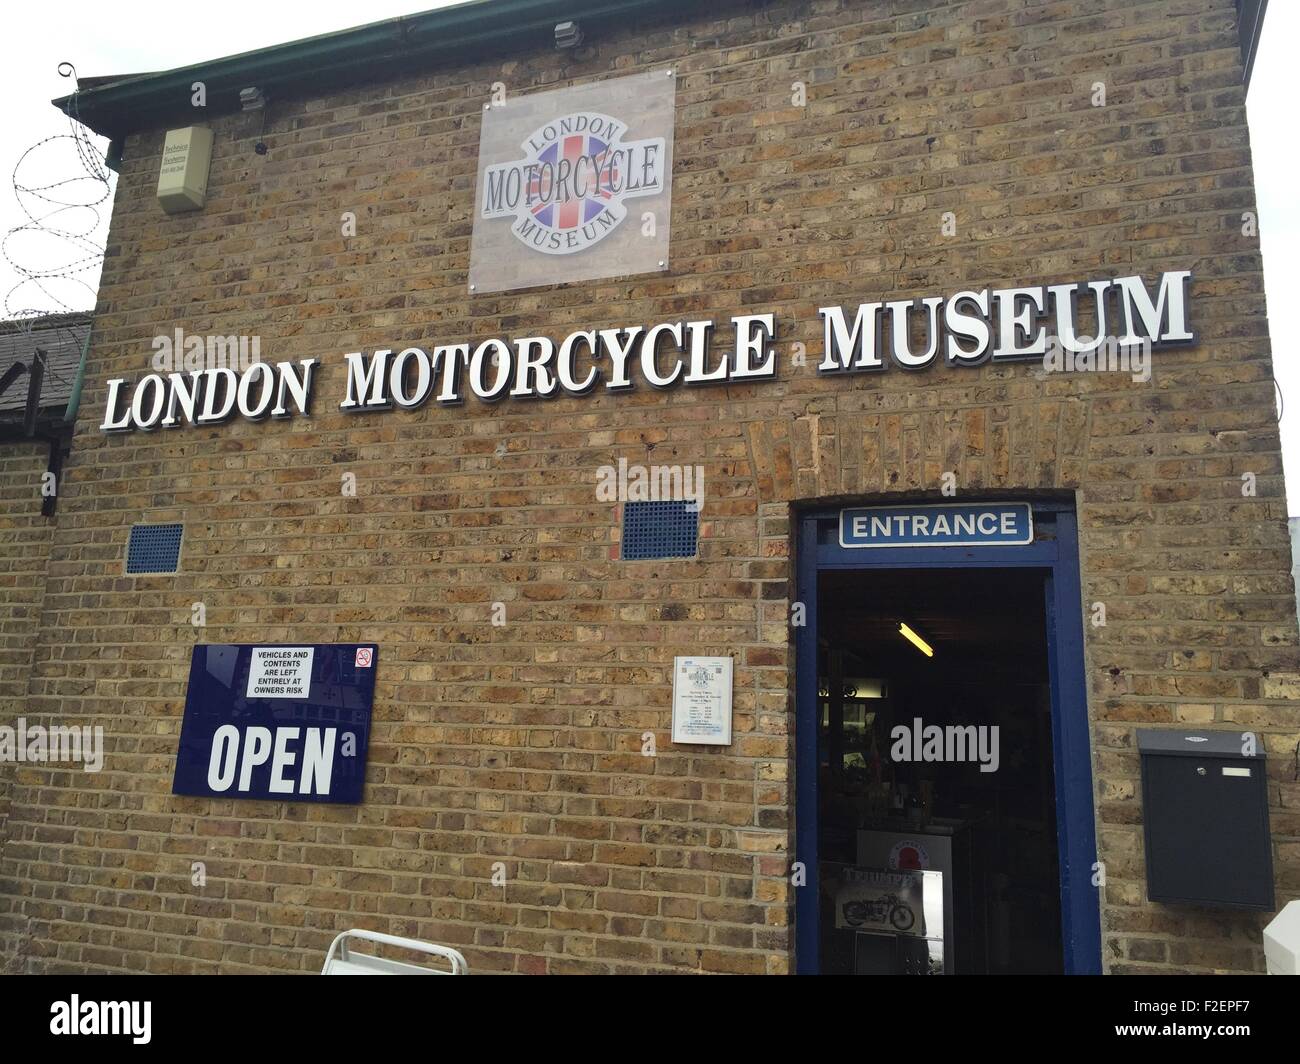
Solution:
(280, 672)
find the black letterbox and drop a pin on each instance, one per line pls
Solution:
(1205, 814)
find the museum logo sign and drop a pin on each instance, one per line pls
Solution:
(568, 191)
(574, 184)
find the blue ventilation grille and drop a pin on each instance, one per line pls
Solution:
(660, 530)
(154, 549)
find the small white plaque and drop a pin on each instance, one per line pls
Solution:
(702, 701)
(280, 672)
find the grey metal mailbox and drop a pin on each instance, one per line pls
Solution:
(1205, 815)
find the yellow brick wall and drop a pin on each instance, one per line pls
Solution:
(25, 539)
(522, 743)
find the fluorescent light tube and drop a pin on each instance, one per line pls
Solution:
(916, 640)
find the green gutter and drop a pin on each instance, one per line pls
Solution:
(379, 51)
(74, 400)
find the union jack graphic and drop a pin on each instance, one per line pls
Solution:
(573, 212)
(569, 190)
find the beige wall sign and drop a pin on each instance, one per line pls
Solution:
(183, 173)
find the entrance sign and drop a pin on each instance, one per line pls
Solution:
(574, 184)
(278, 723)
(702, 701)
(938, 525)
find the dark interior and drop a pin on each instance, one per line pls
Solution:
(893, 827)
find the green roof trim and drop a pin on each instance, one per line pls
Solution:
(373, 52)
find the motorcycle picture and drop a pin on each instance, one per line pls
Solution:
(886, 908)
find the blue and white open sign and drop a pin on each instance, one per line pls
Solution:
(280, 723)
(975, 524)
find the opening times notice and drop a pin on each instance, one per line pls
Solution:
(702, 701)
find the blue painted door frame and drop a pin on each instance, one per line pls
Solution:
(1055, 551)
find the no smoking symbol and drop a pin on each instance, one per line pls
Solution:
(364, 657)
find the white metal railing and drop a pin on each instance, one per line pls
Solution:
(341, 961)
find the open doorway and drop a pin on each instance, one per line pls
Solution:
(937, 820)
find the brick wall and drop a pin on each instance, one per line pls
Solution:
(25, 538)
(522, 743)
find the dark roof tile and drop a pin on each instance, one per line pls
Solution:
(61, 336)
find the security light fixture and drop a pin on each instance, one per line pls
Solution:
(251, 99)
(567, 35)
(915, 640)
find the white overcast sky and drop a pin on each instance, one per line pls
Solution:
(141, 35)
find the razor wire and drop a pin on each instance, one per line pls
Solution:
(56, 209)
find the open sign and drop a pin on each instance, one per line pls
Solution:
(279, 723)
